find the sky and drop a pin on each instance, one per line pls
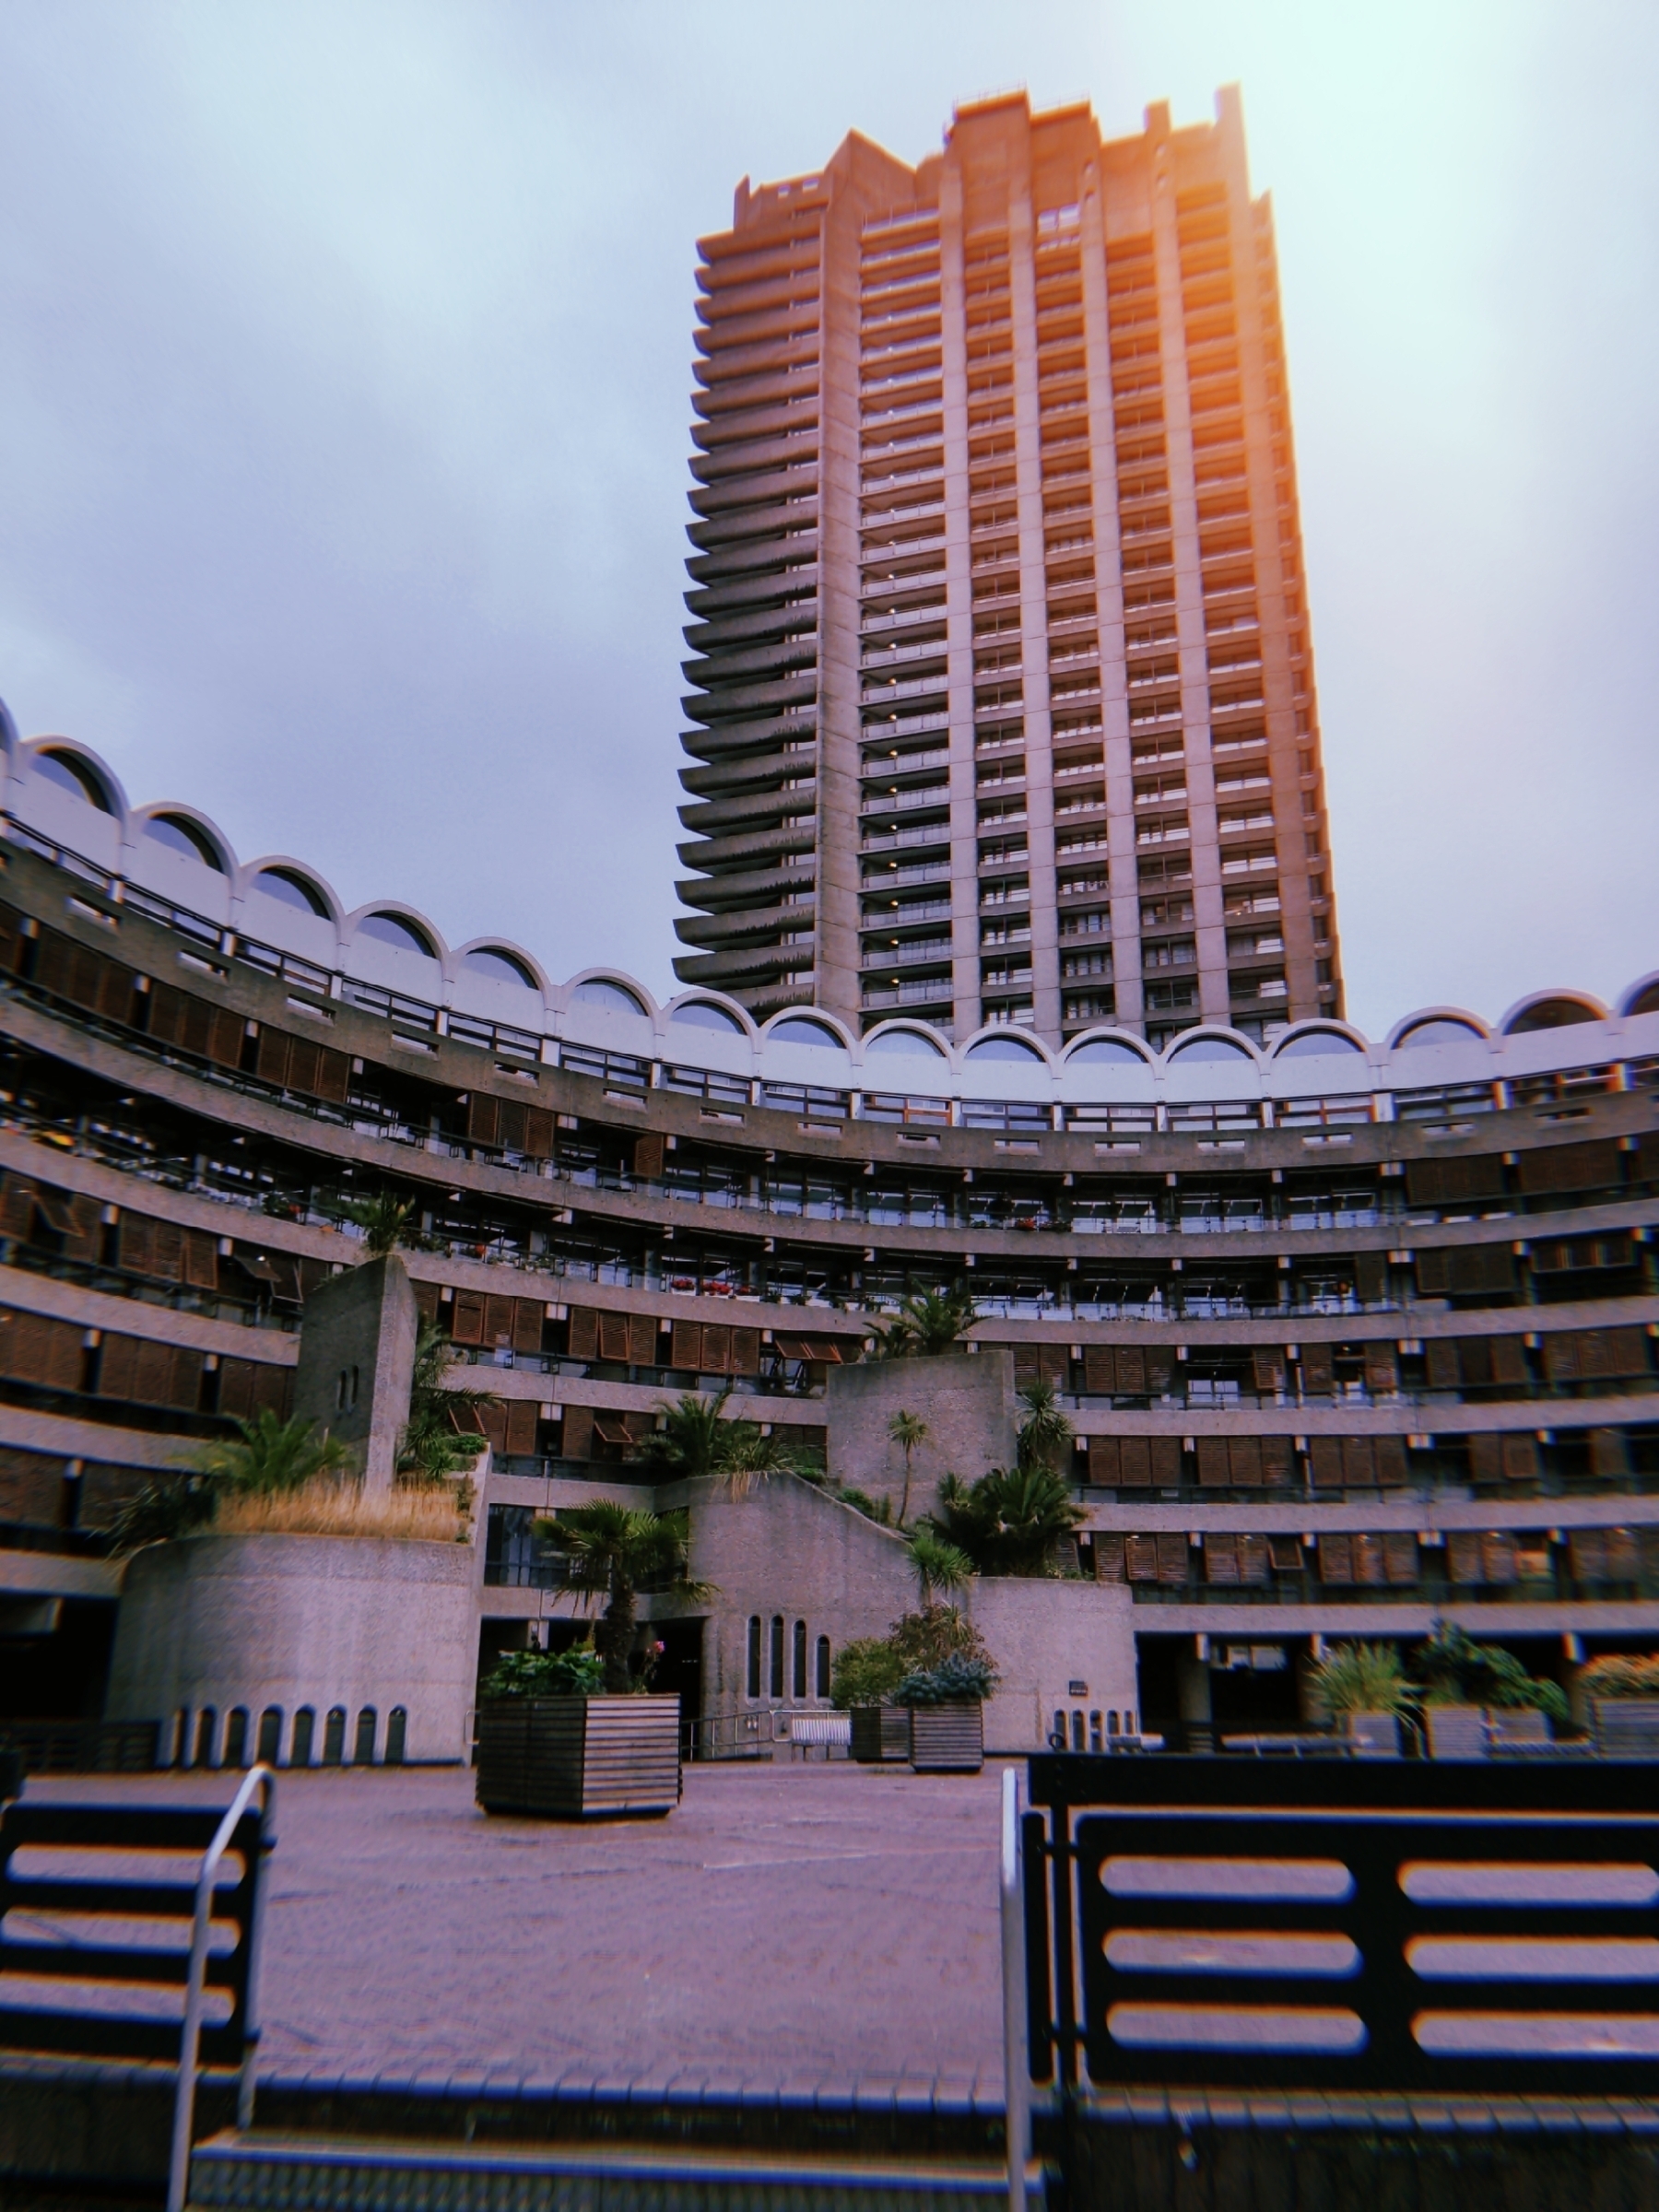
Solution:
(344, 362)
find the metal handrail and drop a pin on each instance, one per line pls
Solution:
(1017, 2069)
(178, 2171)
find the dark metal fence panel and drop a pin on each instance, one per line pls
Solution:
(1370, 1927)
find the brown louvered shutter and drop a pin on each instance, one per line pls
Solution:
(1624, 1558)
(1108, 1558)
(527, 1316)
(304, 1059)
(492, 1424)
(225, 1035)
(648, 1155)
(1521, 1458)
(1509, 1362)
(1103, 1462)
(686, 1349)
(1423, 1181)
(643, 1339)
(1465, 1560)
(1609, 1454)
(1130, 1371)
(201, 1260)
(522, 1416)
(1172, 1559)
(1586, 1167)
(117, 1366)
(1445, 1367)
(186, 1381)
(1053, 1364)
(466, 1317)
(1140, 1559)
(1025, 1365)
(132, 1244)
(1276, 1461)
(1434, 1272)
(1099, 1369)
(1389, 1455)
(271, 1064)
(1318, 1370)
(1160, 1371)
(1381, 1369)
(17, 1208)
(1477, 1267)
(167, 1252)
(1626, 1352)
(583, 1342)
(511, 1120)
(716, 1347)
(196, 1024)
(1212, 1462)
(1587, 1554)
(1486, 1458)
(236, 1388)
(539, 1140)
(1166, 1459)
(1400, 1558)
(497, 1319)
(1221, 1558)
(1371, 1276)
(426, 1299)
(1370, 1566)
(613, 1337)
(1244, 1462)
(1561, 1356)
(746, 1352)
(1480, 1177)
(153, 1373)
(334, 1076)
(1135, 1461)
(63, 1355)
(483, 1117)
(1268, 1367)
(1253, 1564)
(274, 1386)
(1335, 1557)
(1358, 1466)
(1498, 1556)
(83, 1236)
(1324, 1459)
(577, 1440)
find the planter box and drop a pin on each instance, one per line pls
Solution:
(1626, 1727)
(879, 1731)
(572, 1759)
(1373, 1735)
(948, 1739)
(1477, 1731)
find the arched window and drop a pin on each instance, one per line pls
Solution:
(500, 967)
(1112, 1724)
(1076, 1729)
(1129, 1721)
(611, 998)
(777, 1655)
(1003, 1048)
(362, 1751)
(904, 1041)
(823, 1666)
(754, 1655)
(178, 1738)
(305, 1729)
(180, 835)
(1057, 1733)
(333, 1737)
(270, 1735)
(699, 1014)
(206, 1733)
(289, 887)
(1095, 1740)
(236, 1737)
(1105, 1051)
(799, 1670)
(797, 1030)
(1210, 1048)
(72, 774)
(397, 1735)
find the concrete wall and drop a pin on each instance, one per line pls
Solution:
(967, 1401)
(1044, 1636)
(292, 1621)
(356, 1362)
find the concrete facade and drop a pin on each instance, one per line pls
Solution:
(285, 1626)
(967, 1401)
(1004, 698)
(356, 1362)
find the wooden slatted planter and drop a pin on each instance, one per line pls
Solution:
(948, 1739)
(880, 1732)
(579, 1757)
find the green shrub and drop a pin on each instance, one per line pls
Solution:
(580, 1672)
(865, 1673)
(1362, 1677)
(1622, 1674)
(955, 1678)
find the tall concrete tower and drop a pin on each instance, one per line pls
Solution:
(1004, 691)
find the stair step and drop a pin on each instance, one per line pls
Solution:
(261, 2171)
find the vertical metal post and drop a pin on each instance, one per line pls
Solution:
(1017, 2064)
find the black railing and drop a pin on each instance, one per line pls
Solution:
(1360, 1925)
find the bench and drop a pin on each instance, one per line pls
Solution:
(157, 1906)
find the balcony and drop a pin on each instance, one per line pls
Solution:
(922, 952)
(876, 841)
(903, 764)
(916, 686)
(937, 795)
(906, 725)
(905, 916)
(919, 993)
(896, 656)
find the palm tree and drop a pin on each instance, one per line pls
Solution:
(442, 1435)
(927, 1325)
(1011, 1520)
(383, 1221)
(939, 1567)
(691, 1438)
(268, 1455)
(612, 1550)
(907, 1430)
(1045, 1432)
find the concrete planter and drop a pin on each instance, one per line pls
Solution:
(1626, 1727)
(304, 1651)
(1373, 1735)
(879, 1731)
(948, 1739)
(578, 1757)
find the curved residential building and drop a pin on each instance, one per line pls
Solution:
(1003, 694)
(1354, 1333)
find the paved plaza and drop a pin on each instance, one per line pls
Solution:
(789, 1927)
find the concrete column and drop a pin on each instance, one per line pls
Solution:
(356, 1364)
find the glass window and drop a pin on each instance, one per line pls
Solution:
(72, 774)
(754, 1655)
(397, 1726)
(305, 1729)
(362, 1751)
(206, 1732)
(799, 1684)
(823, 1666)
(291, 889)
(333, 1737)
(500, 967)
(180, 835)
(699, 1014)
(613, 998)
(777, 1655)
(236, 1737)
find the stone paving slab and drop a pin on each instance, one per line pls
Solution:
(786, 1930)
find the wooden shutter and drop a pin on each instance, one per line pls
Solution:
(201, 1260)
(1400, 1558)
(1134, 1453)
(512, 1117)
(274, 1386)
(1584, 1167)
(613, 1337)
(1479, 1267)
(1445, 1367)
(1160, 1371)
(648, 1155)
(1108, 1558)
(492, 1424)
(466, 1317)
(1371, 1276)
(1212, 1462)
(1358, 1465)
(17, 1208)
(528, 1317)
(1381, 1369)
(686, 1349)
(226, 1032)
(1335, 1557)
(1624, 1559)
(1140, 1559)
(1561, 1353)
(1389, 1455)
(1521, 1458)
(1103, 1462)
(1025, 1365)
(426, 1299)
(1221, 1558)
(577, 1441)
(1166, 1460)
(1244, 1462)
(271, 1060)
(521, 1417)
(1099, 1369)
(1509, 1362)
(1268, 1367)
(1130, 1371)
(1172, 1559)
(583, 1342)
(716, 1347)
(1434, 1272)
(483, 1117)
(497, 1319)
(1486, 1458)
(1369, 1567)
(1423, 1181)
(1587, 1554)
(1325, 1455)
(1276, 1461)
(1498, 1556)
(1318, 1370)
(746, 1352)
(1253, 1564)
(1608, 1452)
(117, 1366)
(539, 1140)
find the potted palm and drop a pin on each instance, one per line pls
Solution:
(575, 1739)
(1364, 1688)
(1475, 1693)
